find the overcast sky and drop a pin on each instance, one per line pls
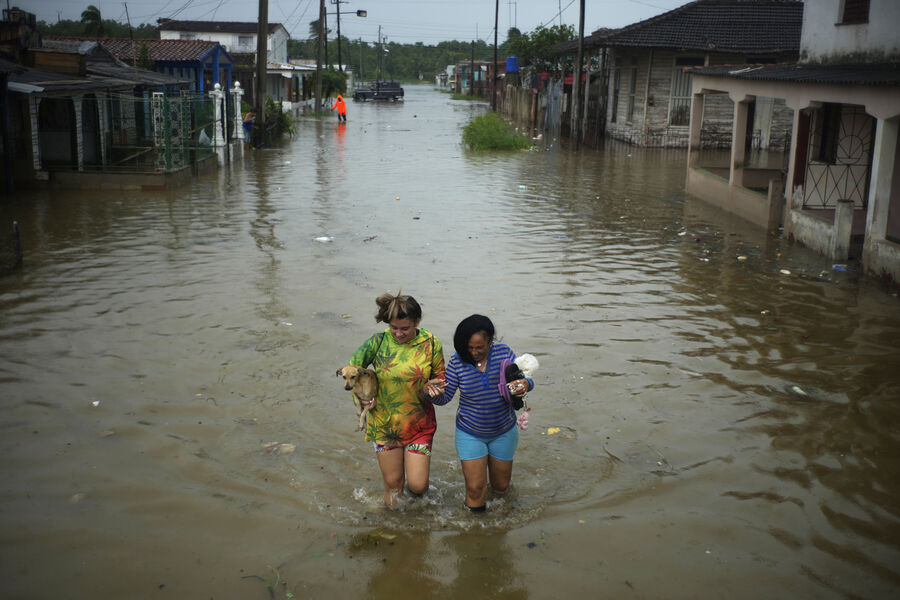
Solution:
(402, 21)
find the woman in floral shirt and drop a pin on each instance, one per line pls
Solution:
(402, 422)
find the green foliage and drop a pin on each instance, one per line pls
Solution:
(274, 112)
(333, 82)
(111, 29)
(93, 22)
(144, 61)
(490, 132)
(535, 48)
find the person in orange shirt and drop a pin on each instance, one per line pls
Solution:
(341, 107)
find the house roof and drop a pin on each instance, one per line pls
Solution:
(250, 27)
(865, 74)
(100, 61)
(165, 50)
(742, 26)
(35, 81)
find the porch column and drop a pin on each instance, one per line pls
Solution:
(841, 230)
(215, 67)
(101, 111)
(79, 133)
(34, 105)
(218, 96)
(884, 156)
(738, 143)
(236, 94)
(696, 126)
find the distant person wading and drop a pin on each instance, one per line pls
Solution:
(341, 107)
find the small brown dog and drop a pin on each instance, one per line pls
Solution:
(364, 385)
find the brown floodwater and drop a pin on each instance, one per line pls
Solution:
(715, 415)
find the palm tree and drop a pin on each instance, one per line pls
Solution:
(92, 21)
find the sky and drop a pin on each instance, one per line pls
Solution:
(401, 21)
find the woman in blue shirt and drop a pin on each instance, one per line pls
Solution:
(486, 433)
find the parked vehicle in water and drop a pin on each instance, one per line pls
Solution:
(379, 90)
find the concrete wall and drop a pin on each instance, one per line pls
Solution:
(824, 39)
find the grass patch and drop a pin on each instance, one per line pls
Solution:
(490, 132)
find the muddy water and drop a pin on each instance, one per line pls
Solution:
(703, 425)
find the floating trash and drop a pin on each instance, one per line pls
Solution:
(278, 448)
(843, 268)
(784, 272)
(742, 257)
(324, 239)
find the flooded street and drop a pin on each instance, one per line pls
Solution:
(715, 415)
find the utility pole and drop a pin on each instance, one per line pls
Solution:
(319, 56)
(575, 130)
(494, 78)
(262, 36)
(472, 69)
(325, 17)
(338, 11)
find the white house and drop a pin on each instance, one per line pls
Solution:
(235, 36)
(842, 179)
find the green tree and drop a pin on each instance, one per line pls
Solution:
(536, 48)
(92, 21)
(144, 61)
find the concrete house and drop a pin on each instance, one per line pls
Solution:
(645, 87)
(239, 39)
(842, 182)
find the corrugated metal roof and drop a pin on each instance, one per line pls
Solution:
(741, 26)
(866, 74)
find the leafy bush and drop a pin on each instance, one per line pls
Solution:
(490, 132)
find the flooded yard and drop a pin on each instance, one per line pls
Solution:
(715, 414)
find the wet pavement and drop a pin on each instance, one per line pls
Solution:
(715, 414)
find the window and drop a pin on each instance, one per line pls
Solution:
(245, 41)
(855, 12)
(632, 88)
(187, 36)
(680, 95)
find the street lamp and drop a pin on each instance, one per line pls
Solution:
(359, 13)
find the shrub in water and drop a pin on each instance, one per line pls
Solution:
(490, 132)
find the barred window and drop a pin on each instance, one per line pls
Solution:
(680, 96)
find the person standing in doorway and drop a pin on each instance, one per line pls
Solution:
(341, 107)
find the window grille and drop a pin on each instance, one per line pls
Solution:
(680, 94)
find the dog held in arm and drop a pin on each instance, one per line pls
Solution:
(364, 385)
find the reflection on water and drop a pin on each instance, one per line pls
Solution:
(156, 345)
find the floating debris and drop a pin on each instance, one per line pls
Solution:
(324, 239)
(784, 272)
(278, 448)
(742, 257)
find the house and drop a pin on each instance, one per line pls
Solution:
(643, 85)
(239, 39)
(233, 36)
(205, 63)
(474, 77)
(842, 178)
(77, 117)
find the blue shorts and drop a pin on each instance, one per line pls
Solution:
(501, 447)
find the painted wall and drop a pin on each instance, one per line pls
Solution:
(276, 46)
(825, 40)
